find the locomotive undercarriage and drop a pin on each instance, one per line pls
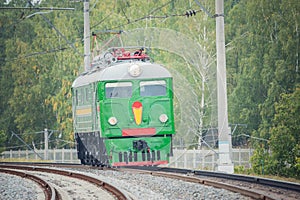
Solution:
(133, 156)
(91, 149)
(142, 148)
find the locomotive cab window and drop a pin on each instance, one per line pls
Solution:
(76, 97)
(153, 88)
(118, 90)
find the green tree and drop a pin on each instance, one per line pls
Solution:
(285, 136)
(2, 140)
(263, 59)
(34, 68)
(245, 64)
(7, 26)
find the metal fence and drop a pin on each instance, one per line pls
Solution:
(207, 159)
(190, 159)
(55, 155)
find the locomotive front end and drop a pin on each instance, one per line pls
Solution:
(137, 117)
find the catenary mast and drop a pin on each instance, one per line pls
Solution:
(224, 163)
(86, 36)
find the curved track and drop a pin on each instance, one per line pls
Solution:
(254, 187)
(49, 191)
(249, 186)
(111, 189)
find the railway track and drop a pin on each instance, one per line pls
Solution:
(253, 187)
(51, 193)
(247, 186)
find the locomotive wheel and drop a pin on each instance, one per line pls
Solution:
(94, 162)
(82, 161)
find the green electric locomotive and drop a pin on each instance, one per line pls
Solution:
(123, 111)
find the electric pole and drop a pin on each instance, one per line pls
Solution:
(224, 163)
(46, 144)
(86, 35)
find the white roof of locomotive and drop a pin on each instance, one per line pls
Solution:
(119, 71)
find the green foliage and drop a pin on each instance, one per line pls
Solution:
(285, 139)
(242, 170)
(2, 140)
(263, 66)
(36, 63)
(259, 160)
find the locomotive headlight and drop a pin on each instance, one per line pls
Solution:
(134, 70)
(163, 118)
(112, 121)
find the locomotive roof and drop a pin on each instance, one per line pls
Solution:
(119, 71)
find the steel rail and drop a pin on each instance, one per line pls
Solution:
(197, 177)
(108, 187)
(232, 188)
(250, 179)
(49, 191)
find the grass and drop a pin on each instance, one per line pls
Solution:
(243, 171)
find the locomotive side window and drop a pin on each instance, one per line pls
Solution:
(153, 88)
(87, 95)
(80, 96)
(118, 90)
(76, 97)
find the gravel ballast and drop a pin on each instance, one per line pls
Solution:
(17, 188)
(137, 186)
(144, 186)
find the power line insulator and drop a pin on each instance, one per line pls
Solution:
(190, 13)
